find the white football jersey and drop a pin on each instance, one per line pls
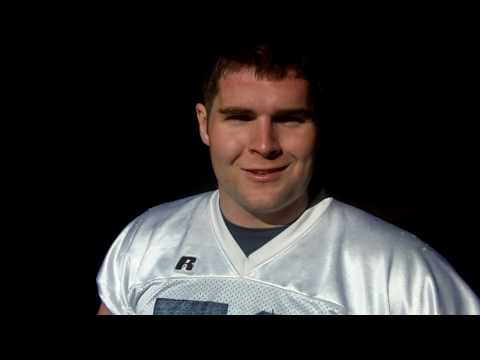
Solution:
(180, 258)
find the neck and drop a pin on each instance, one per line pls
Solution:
(247, 218)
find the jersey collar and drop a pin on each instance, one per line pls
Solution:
(280, 243)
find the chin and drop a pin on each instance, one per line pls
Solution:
(266, 204)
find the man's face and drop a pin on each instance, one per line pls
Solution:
(262, 138)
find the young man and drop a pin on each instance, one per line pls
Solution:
(261, 244)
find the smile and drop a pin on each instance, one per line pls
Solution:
(265, 175)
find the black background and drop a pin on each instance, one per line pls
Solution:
(396, 139)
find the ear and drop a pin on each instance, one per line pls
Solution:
(202, 118)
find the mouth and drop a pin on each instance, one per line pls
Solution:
(266, 171)
(265, 175)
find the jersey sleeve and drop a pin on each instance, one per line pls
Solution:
(426, 284)
(115, 275)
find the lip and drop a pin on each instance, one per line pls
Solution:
(272, 175)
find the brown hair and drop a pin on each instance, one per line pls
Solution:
(270, 60)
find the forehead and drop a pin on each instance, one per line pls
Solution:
(244, 88)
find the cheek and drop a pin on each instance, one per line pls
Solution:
(225, 148)
(302, 147)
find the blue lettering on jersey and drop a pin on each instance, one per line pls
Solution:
(265, 313)
(188, 307)
(165, 306)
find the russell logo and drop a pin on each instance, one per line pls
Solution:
(186, 263)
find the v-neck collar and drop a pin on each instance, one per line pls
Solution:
(245, 265)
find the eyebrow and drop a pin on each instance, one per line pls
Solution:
(300, 112)
(236, 111)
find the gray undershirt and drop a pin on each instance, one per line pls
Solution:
(250, 239)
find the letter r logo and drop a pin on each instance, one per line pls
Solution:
(187, 262)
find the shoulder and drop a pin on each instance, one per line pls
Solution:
(363, 230)
(362, 235)
(135, 254)
(168, 217)
(416, 278)
(181, 209)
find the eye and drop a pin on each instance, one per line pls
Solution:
(290, 119)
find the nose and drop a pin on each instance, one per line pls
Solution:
(264, 139)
